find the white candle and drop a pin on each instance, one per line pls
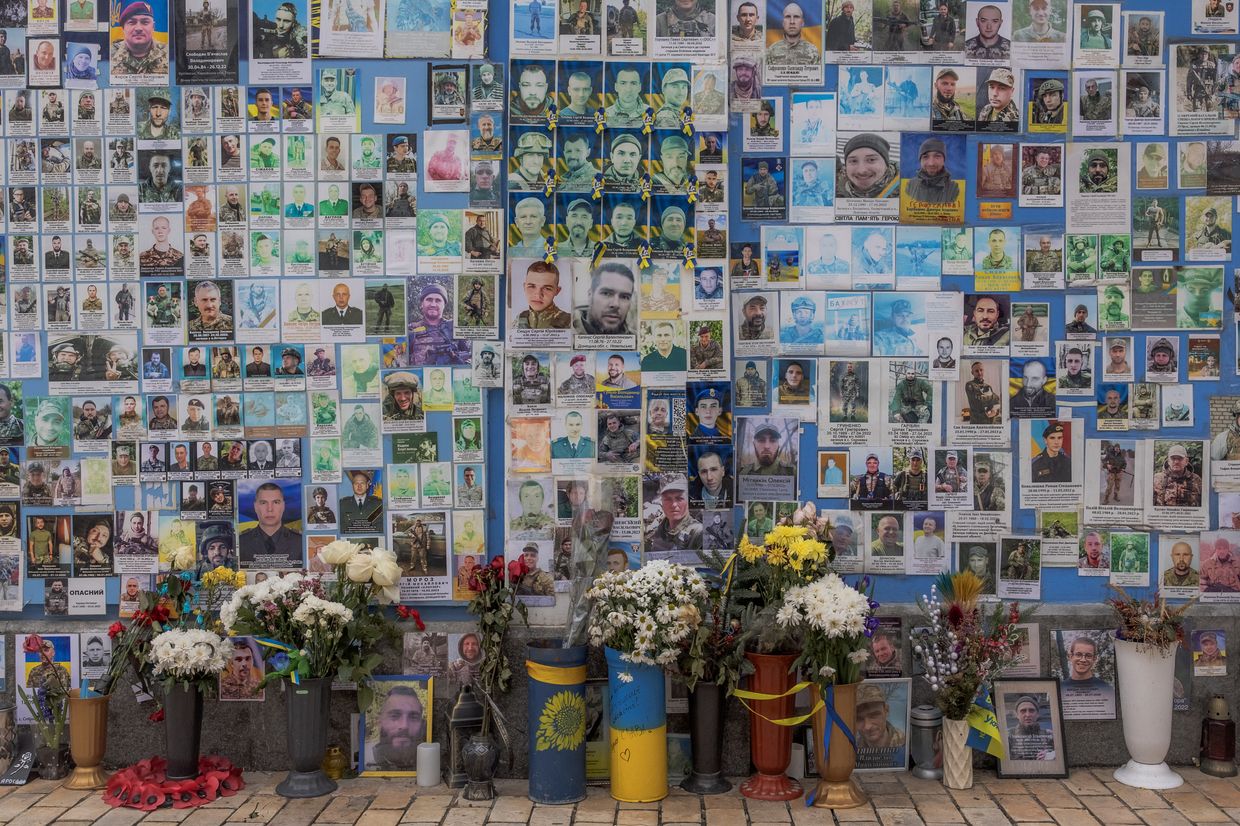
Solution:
(428, 764)
(796, 768)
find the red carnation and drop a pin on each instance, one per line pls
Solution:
(33, 644)
(115, 630)
(157, 716)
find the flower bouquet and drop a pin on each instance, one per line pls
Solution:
(319, 630)
(643, 617)
(789, 556)
(833, 620)
(47, 701)
(964, 650)
(495, 603)
(188, 661)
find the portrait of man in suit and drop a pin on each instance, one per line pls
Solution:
(341, 313)
(361, 511)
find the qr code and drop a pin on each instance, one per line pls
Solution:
(678, 415)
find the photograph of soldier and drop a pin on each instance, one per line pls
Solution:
(1051, 461)
(996, 173)
(1002, 111)
(1143, 96)
(987, 322)
(1152, 173)
(882, 723)
(793, 42)
(893, 27)
(626, 226)
(986, 41)
(1178, 561)
(865, 168)
(1094, 103)
(608, 306)
(764, 189)
(850, 391)
(1042, 172)
(618, 437)
(531, 93)
(578, 163)
(912, 395)
(627, 86)
(1048, 110)
(140, 55)
(751, 385)
(870, 488)
(910, 487)
(1144, 34)
(1177, 484)
(1162, 359)
(1074, 369)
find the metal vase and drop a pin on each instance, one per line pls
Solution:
(480, 757)
(183, 730)
(309, 704)
(707, 702)
(88, 740)
(637, 712)
(556, 708)
(837, 787)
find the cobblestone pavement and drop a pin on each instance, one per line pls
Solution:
(1087, 798)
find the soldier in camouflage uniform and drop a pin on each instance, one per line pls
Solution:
(850, 392)
(1094, 104)
(160, 187)
(1226, 445)
(210, 319)
(400, 160)
(1042, 178)
(36, 487)
(988, 493)
(792, 49)
(138, 53)
(750, 389)
(616, 443)
(1114, 462)
(532, 387)
(913, 399)
(952, 478)
(706, 354)
(1048, 106)
(487, 368)
(762, 187)
(678, 530)
(1098, 176)
(404, 398)
(1044, 259)
(431, 340)
(579, 381)
(1000, 107)
(945, 106)
(763, 128)
(685, 19)
(675, 87)
(710, 192)
(1177, 486)
(910, 487)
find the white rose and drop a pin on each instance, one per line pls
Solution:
(386, 568)
(338, 552)
(361, 568)
(183, 559)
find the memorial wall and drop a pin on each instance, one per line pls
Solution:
(438, 277)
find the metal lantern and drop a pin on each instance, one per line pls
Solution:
(926, 742)
(1218, 739)
(465, 722)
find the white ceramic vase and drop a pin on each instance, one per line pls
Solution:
(1146, 679)
(957, 755)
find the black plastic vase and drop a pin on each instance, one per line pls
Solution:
(308, 707)
(706, 706)
(183, 730)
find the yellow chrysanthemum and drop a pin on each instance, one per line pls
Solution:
(784, 534)
(776, 556)
(750, 552)
(562, 724)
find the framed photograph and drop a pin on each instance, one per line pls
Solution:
(1031, 719)
(398, 719)
(882, 722)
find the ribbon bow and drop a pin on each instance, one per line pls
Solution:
(647, 120)
(690, 251)
(646, 187)
(553, 116)
(596, 188)
(643, 255)
(548, 185)
(549, 251)
(600, 118)
(599, 252)
(294, 656)
(691, 189)
(686, 121)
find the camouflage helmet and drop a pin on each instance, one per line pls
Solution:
(1049, 86)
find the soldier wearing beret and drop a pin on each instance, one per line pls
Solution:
(1053, 464)
(400, 160)
(579, 381)
(138, 53)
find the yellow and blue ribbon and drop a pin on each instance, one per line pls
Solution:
(691, 189)
(548, 185)
(643, 255)
(549, 251)
(690, 251)
(686, 121)
(833, 720)
(596, 188)
(291, 652)
(553, 116)
(647, 120)
(600, 118)
(646, 186)
(599, 251)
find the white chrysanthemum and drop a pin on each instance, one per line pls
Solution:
(189, 654)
